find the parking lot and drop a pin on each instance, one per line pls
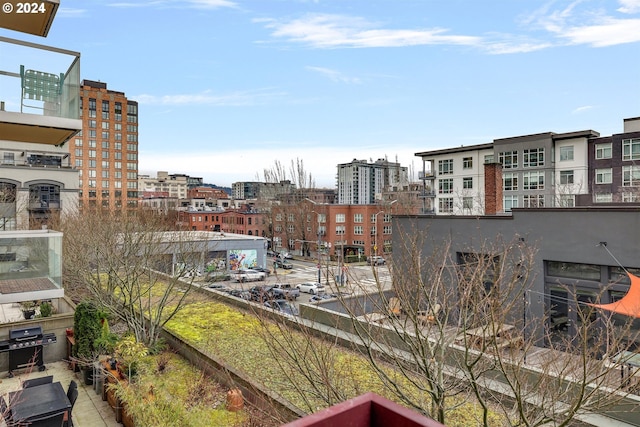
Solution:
(356, 279)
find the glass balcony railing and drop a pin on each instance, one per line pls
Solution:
(38, 79)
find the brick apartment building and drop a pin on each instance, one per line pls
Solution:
(106, 151)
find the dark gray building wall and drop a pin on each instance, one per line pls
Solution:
(565, 235)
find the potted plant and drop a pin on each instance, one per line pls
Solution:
(129, 352)
(28, 309)
(87, 329)
(105, 344)
(46, 309)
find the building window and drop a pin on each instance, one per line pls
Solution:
(604, 176)
(445, 204)
(467, 183)
(603, 151)
(358, 230)
(510, 181)
(566, 153)
(445, 167)
(386, 229)
(533, 157)
(533, 180)
(508, 159)
(291, 217)
(340, 229)
(631, 149)
(567, 200)
(630, 176)
(467, 162)
(566, 177)
(445, 186)
(291, 228)
(340, 217)
(510, 202)
(603, 198)
(533, 200)
(488, 158)
(630, 197)
(357, 218)
(467, 203)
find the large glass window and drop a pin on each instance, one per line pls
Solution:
(533, 200)
(510, 202)
(631, 149)
(604, 176)
(508, 159)
(467, 183)
(467, 162)
(603, 151)
(510, 181)
(566, 153)
(533, 157)
(533, 180)
(445, 186)
(445, 167)
(630, 176)
(566, 177)
(445, 204)
(573, 270)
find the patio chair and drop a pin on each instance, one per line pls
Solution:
(52, 420)
(33, 382)
(42, 87)
(72, 386)
(72, 394)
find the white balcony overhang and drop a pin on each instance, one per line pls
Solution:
(28, 17)
(37, 129)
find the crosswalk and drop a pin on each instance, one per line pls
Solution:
(358, 276)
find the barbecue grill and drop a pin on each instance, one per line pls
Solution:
(25, 347)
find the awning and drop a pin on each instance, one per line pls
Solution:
(629, 305)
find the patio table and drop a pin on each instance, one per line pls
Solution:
(39, 401)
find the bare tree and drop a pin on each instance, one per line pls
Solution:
(136, 269)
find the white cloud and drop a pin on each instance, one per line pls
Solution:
(334, 75)
(609, 32)
(582, 109)
(629, 6)
(336, 31)
(207, 98)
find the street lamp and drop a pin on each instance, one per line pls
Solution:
(318, 248)
(375, 236)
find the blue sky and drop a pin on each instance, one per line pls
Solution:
(227, 87)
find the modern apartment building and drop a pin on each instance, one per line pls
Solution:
(539, 170)
(39, 114)
(360, 182)
(614, 172)
(106, 152)
(175, 186)
(249, 190)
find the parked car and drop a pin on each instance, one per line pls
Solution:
(239, 293)
(249, 276)
(286, 291)
(278, 263)
(285, 255)
(376, 260)
(261, 293)
(283, 306)
(264, 270)
(312, 288)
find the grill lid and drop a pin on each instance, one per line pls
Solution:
(25, 333)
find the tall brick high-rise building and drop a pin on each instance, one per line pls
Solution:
(106, 151)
